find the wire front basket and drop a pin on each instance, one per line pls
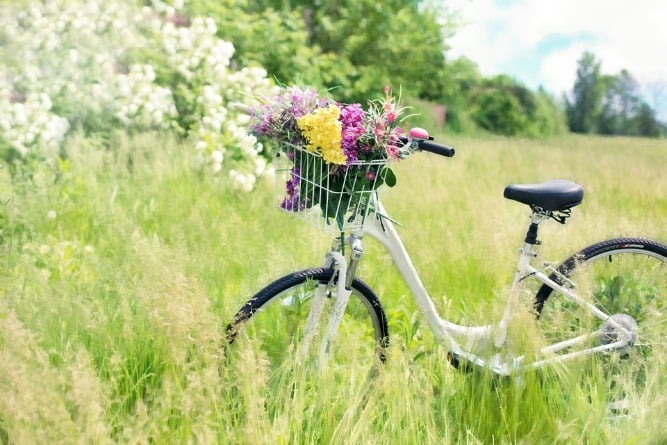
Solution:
(328, 196)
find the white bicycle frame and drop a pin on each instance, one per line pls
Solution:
(459, 339)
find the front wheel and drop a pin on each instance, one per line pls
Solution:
(626, 279)
(273, 325)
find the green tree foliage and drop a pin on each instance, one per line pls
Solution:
(584, 108)
(504, 106)
(386, 42)
(609, 104)
(620, 102)
(647, 123)
(356, 46)
(461, 77)
(498, 109)
(273, 38)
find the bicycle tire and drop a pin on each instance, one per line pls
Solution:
(273, 321)
(626, 278)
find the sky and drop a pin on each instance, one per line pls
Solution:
(538, 42)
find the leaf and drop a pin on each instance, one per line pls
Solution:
(389, 177)
(340, 219)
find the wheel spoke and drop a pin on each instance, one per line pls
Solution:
(629, 285)
(286, 333)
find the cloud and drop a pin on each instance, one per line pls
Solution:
(506, 35)
(558, 68)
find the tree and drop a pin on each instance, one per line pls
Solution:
(609, 104)
(646, 122)
(584, 108)
(461, 77)
(355, 46)
(271, 37)
(505, 106)
(619, 104)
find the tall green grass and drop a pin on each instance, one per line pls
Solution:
(120, 268)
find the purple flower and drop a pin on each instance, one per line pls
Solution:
(352, 118)
(292, 204)
(292, 201)
(276, 119)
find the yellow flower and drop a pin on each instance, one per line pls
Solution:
(322, 129)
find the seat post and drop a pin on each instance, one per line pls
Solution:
(535, 219)
(531, 235)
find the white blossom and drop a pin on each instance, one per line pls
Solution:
(71, 53)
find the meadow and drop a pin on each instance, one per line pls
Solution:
(120, 268)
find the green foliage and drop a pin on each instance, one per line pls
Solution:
(609, 104)
(587, 93)
(461, 77)
(549, 117)
(499, 112)
(357, 47)
(647, 123)
(271, 37)
(389, 42)
(504, 106)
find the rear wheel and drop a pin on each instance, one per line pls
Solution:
(273, 325)
(625, 278)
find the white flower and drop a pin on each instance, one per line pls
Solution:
(217, 156)
(70, 55)
(260, 166)
(270, 173)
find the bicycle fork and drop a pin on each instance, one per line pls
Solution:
(334, 259)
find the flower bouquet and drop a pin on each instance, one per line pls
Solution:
(338, 153)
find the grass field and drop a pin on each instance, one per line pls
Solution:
(120, 269)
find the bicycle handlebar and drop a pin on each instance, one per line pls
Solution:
(434, 147)
(424, 142)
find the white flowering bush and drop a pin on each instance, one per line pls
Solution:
(139, 102)
(202, 62)
(96, 65)
(30, 125)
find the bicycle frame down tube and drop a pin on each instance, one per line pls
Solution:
(382, 229)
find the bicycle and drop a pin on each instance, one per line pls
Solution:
(607, 299)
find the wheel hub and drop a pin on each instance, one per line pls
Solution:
(616, 328)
